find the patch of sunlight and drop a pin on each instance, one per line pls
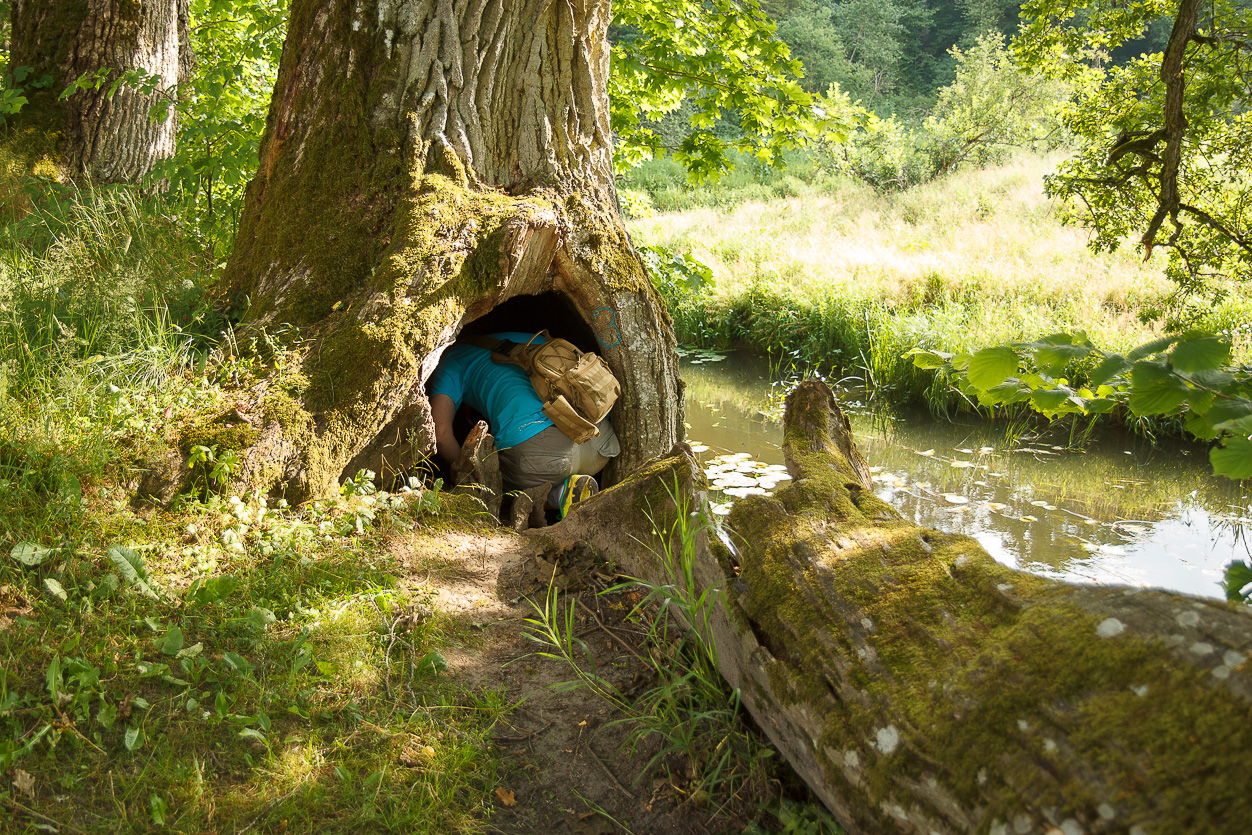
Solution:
(298, 762)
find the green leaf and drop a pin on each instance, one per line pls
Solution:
(1234, 460)
(1200, 425)
(107, 715)
(30, 554)
(1055, 358)
(1207, 353)
(992, 366)
(1153, 347)
(260, 617)
(55, 589)
(303, 659)
(1219, 380)
(1114, 365)
(131, 566)
(1232, 415)
(52, 676)
(1011, 392)
(157, 804)
(133, 739)
(433, 662)
(1049, 400)
(204, 592)
(252, 733)
(1199, 401)
(238, 663)
(1154, 389)
(928, 359)
(1238, 575)
(172, 642)
(191, 651)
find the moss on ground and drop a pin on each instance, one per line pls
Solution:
(222, 431)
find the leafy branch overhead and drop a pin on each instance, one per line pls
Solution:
(1185, 375)
(722, 58)
(1165, 138)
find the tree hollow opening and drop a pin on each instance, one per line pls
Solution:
(550, 311)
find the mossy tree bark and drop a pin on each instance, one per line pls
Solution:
(919, 686)
(108, 138)
(423, 163)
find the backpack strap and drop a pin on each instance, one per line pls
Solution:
(507, 351)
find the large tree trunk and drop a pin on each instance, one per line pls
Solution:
(108, 138)
(919, 686)
(426, 165)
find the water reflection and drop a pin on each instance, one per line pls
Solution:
(1116, 512)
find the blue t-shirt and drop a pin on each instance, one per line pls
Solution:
(500, 392)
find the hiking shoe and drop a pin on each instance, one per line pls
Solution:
(577, 488)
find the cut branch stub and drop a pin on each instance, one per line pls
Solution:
(919, 686)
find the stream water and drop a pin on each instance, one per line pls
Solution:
(1116, 511)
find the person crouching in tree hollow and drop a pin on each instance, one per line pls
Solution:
(546, 403)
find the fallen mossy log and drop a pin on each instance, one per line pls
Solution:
(919, 686)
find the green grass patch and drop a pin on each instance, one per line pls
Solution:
(176, 658)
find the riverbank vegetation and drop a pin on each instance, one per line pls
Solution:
(839, 275)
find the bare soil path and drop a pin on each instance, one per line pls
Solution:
(567, 769)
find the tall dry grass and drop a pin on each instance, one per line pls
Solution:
(986, 236)
(854, 279)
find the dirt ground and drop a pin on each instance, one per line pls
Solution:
(567, 770)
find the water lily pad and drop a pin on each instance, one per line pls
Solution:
(953, 498)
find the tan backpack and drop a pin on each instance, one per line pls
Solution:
(577, 389)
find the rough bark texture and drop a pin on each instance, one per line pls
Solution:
(423, 163)
(108, 138)
(919, 686)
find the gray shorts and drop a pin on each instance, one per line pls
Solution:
(552, 456)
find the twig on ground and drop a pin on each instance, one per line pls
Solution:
(41, 816)
(613, 777)
(512, 740)
(610, 632)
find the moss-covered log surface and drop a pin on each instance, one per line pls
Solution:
(919, 686)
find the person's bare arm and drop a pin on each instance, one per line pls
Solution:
(442, 410)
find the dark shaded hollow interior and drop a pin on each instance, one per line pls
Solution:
(551, 311)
